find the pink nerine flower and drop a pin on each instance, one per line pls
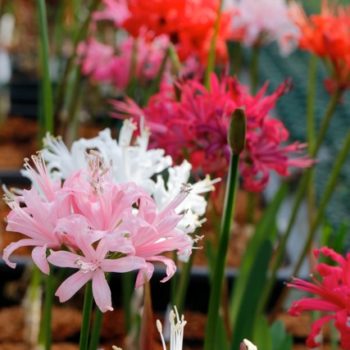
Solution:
(35, 214)
(91, 223)
(188, 121)
(93, 265)
(331, 286)
(104, 63)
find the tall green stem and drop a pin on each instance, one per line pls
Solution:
(46, 89)
(87, 308)
(236, 138)
(45, 331)
(127, 290)
(183, 284)
(81, 34)
(310, 123)
(211, 56)
(299, 197)
(96, 329)
(219, 269)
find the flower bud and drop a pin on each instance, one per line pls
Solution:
(237, 131)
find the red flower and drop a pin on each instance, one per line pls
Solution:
(188, 121)
(327, 35)
(331, 287)
(189, 24)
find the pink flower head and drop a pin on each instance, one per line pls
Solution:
(331, 288)
(34, 213)
(92, 265)
(154, 233)
(187, 120)
(114, 10)
(95, 225)
(103, 63)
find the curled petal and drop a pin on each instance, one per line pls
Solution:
(14, 246)
(169, 264)
(144, 275)
(315, 331)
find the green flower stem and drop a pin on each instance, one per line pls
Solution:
(96, 329)
(211, 55)
(183, 284)
(85, 326)
(327, 194)
(45, 329)
(310, 103)
(175, 61)
(219, 269)
(127, 290)
(47, 121)
(310, 123)
(80, 35)
(298, 199)
(254, 69)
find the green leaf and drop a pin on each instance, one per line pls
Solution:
(263, 230)
(262, 337)
(247, 312)
(221, 335)
(280, 339)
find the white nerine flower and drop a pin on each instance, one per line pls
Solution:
(132, 161)
(177, 326)
(270, 18)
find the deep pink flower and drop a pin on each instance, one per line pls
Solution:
(188, 121)
(331, 287)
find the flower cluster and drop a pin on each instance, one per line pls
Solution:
(188, 121)
(331, 286)
(259, 22)
(103, 207)
(327, 35)
(96, 226)
(103, 63)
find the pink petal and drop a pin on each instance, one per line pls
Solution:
(71, 285)
(144, 275)
(170, 266)
(125, 264)
(63, 259)
(39, 258)
(101, 291)
(15, 245)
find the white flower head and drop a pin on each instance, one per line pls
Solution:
(268, 18)
(177, 325)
